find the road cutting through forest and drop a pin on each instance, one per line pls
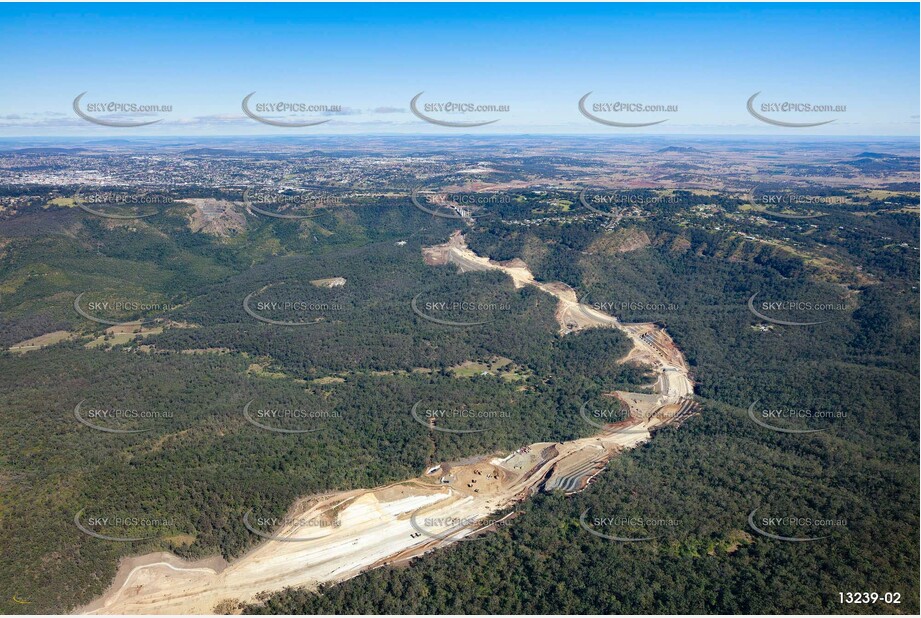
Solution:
(336, 536)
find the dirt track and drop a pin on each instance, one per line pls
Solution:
(378, 526)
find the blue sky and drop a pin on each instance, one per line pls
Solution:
(701, 61)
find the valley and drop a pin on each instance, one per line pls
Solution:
(376, 527)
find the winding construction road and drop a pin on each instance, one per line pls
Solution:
(337, 536)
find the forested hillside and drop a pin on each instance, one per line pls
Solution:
(857, 373)
(359, 357)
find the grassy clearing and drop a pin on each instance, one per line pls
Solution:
(122, 334)
(42, 341)
(63, 201)
(498, 366)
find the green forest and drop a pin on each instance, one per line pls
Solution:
(195, 465)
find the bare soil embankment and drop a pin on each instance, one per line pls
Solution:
(337, 536)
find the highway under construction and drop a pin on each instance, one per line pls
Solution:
(336, 536)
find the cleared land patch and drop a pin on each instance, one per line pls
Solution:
(42, 341)
(450, 502)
